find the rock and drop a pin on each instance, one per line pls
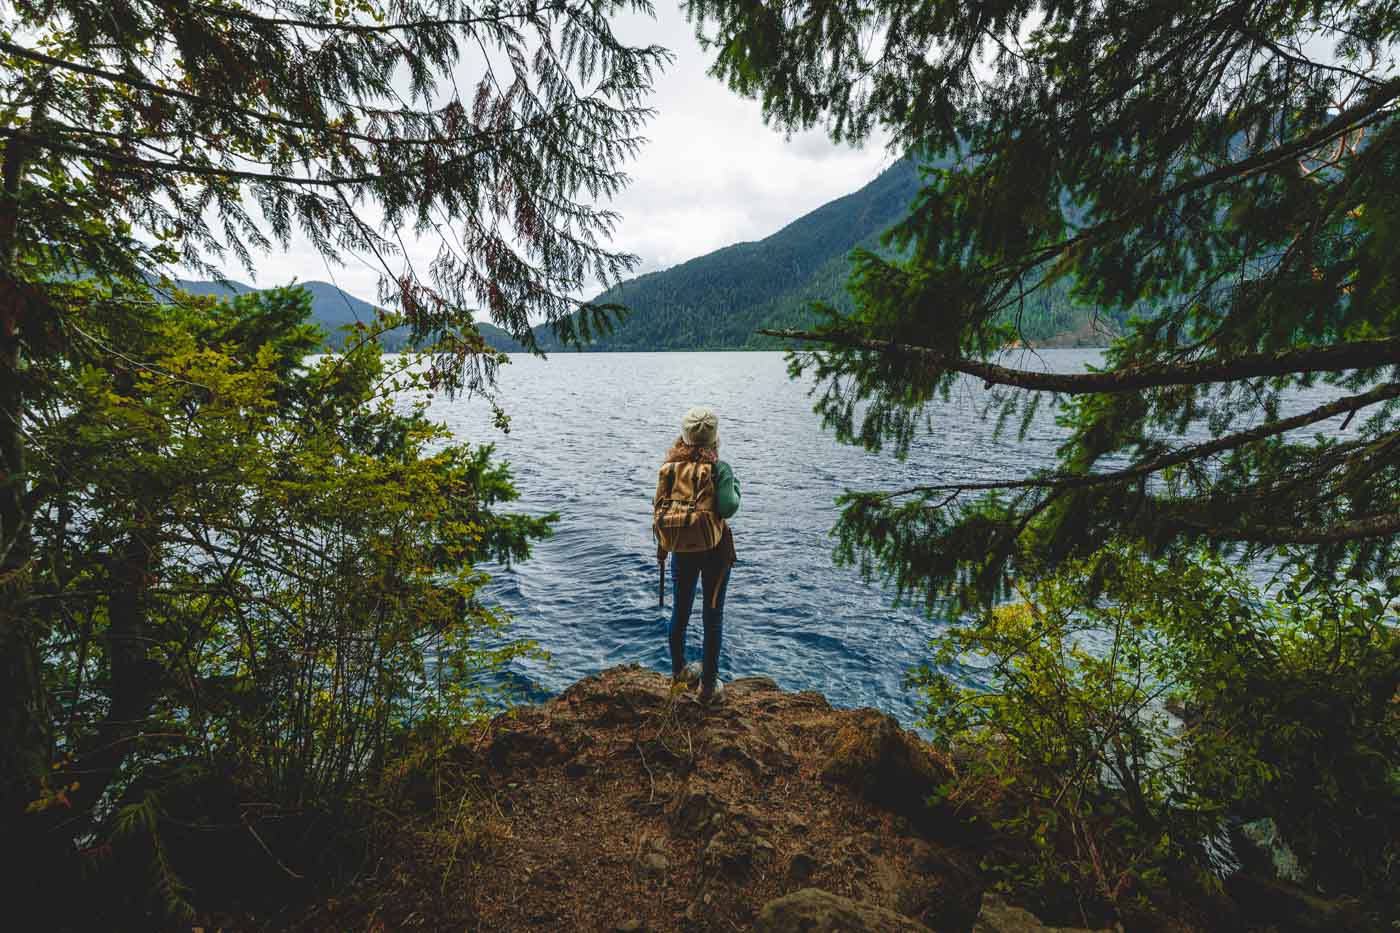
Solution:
(695, 806)
(1263, 850)
(1290, 909)
(615, 786)
(730, 853)
(997, 916)
(944, 891)
(654, 863)
(812, 910)
(801, 866)
(651, 856)
(892, 769)
(755, 685)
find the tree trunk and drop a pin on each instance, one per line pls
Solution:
(25, 725)
(132, 677)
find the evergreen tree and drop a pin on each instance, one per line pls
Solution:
(1224, 174)
(137, 134)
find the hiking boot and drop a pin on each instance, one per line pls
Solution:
(714, 696)
(688, 677)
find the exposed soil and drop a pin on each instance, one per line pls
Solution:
(623, 805)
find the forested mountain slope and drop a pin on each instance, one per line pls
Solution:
(718, 301)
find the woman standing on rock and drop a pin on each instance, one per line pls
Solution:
(695, 492)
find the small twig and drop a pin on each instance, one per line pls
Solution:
(270, 853)
(458, 833)
(650, 777)
(485, 731)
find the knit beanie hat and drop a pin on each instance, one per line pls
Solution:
(700, 427)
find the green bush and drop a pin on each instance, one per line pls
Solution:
(259, 574)
(1284, 708)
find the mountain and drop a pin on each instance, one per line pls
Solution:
(334, 308)
(716, 301)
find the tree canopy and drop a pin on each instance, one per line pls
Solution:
(1223, 174)
(143, 132)
(189, 515)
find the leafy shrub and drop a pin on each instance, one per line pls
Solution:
(1070, 743)
(259, 572)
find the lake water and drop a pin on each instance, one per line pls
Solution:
(587, 434)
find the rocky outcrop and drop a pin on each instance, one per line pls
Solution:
(623, 805)
(813, 911)
(873, 757)
(1288, 908)
(997, 916)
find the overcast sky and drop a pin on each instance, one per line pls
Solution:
(711, 174)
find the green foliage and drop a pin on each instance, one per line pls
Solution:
(253, 565)
(137, 825)
(1305, 685)
(337, 311)
(1220, 180)
(1068, 740)
(209, 132)
(216, 555)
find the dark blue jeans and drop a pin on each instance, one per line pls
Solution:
(686, 569)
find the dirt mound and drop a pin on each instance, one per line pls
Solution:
(620, 805)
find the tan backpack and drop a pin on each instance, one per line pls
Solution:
(685, 519)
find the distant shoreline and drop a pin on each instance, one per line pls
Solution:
(1034, 345)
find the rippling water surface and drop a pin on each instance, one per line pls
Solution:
(587, 434)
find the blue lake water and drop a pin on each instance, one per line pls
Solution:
(587, 434)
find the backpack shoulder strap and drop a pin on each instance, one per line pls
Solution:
(665, 483)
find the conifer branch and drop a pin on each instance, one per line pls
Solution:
(1356, 529)
(1348, 405)
(368, 29)
(176, 167)
(1359, 354)
(274, 119)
